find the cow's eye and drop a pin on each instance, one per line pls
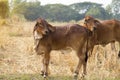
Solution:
(40, 25)
(88, 20)
(85, 20)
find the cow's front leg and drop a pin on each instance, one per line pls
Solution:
(45, 64)
(42, 67)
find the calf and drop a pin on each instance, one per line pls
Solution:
(48, 37)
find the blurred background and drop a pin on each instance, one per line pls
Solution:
(69, 10)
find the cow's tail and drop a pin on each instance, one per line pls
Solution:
(119, 51)
(86, 51)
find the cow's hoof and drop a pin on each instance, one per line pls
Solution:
(83, 75)
(75, 76)
(42, 73)
(45, 76)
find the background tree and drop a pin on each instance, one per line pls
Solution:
(115, 8)
(93, 9)
(108, 9)
(33, 10)
(59, 12)
(30, 10)
(83, 7)
(98, 12)
(4, 8)
(18, 6)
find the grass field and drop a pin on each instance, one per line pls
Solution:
(38, 77)
(18, 61)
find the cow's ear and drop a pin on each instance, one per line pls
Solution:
(51, 28)
(96, 21)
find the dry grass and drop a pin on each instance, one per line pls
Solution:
(18, 57)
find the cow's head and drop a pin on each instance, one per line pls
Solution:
(91, 23)
(41, 29)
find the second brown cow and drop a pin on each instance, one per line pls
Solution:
(104, 32)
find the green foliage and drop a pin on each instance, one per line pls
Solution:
(109, 11)
(83, 7)
(61, 12)
(19, 6)
(115, 8)
(98, 12)
(93, 9)
(4, 8)
(30, 10)
(33, 10)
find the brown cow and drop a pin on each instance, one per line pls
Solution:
(104, 32)
(48, 37)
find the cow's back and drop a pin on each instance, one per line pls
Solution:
(77, 36)
(69, 36)
(106, 31)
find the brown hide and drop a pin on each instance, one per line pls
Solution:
(104, 32)
(48, 37)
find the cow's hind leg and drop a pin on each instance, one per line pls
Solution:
(85, 64)
(81, 57)
(45, 62)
